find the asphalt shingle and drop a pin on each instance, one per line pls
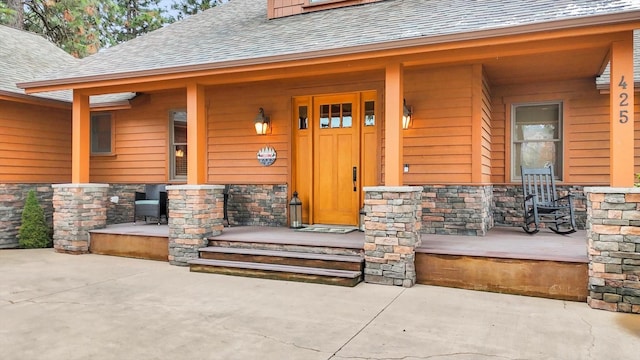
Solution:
(25, 56)
(240, 30)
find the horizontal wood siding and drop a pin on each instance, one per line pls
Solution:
(586, 128)
(636, 131)
(35, 143)
(141, 142)
(232, 140)
(438, 145)
(486, 130)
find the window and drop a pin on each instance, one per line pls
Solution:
(536, 133)
(178, 146)
(335, 116)
(101, 134)
(303, 117)
(369, 113)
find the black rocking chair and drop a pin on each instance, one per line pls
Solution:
(542, 204)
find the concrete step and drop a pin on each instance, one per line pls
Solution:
(277, 272)
(281, 257)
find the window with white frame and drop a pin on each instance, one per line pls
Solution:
(536, 137)
(178, 146)
(101, 134)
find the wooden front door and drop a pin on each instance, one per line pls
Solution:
(336, 175)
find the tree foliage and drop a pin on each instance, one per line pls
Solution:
(74, 25)
(11, 13)
(82, 27)
(34, 232)
(132, 18)
(186, 8)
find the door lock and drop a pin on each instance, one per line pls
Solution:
(355, 178)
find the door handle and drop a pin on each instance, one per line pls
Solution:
(355, 178)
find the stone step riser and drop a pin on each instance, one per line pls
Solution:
(286, 247)
(281, 260)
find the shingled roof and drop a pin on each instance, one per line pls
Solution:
(25, 56)
(239, 32)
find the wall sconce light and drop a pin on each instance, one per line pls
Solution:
(407, 112)
(261, 123)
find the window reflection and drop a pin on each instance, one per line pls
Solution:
(303, 122)
(324, 116)
(369, 113)
(347, 119)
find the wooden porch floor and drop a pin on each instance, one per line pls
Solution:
(500, 242)
(506, 260)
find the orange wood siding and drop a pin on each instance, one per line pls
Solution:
(486, 130)
(35, 143)
(636, 131)
(438, 145)
(232, 141)
(141, 142)
(585, 128)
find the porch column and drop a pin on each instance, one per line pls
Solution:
(195, 214)
(622, 113)
(392, 233)
(393, 101)
(80, 140)
(613, 231)
(196, 135)
(78, 208)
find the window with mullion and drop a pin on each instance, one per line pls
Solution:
(178, 147)
(536, 137)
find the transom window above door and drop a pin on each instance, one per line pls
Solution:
(334, 116)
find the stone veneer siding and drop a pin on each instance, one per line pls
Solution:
(457, 210)
(12, 198)
(78, 208)
(392, 233)
(195, 214)
(507, 204)
(121, 211)
(258, 205)
(613, 230)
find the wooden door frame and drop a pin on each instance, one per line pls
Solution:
(302, 165)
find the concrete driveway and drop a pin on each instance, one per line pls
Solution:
(56, 306)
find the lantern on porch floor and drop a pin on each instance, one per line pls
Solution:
(295, 212)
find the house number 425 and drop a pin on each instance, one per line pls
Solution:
(624, 101)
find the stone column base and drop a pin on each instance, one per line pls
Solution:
(392, 232)
(195, 214)
(613, 229)
(78, 208)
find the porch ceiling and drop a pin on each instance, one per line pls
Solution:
(559, 65)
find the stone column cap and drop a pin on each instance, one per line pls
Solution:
(393, 188)
(80, 185)
(194, 187)
(612, 190)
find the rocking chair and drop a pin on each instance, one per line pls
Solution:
(542, 204)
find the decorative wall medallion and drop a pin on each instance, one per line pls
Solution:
(267, 155)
